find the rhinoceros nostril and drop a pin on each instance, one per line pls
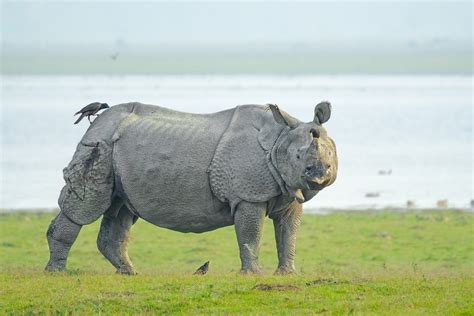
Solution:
(308, 171)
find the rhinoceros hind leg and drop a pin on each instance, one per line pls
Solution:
(113, 239)
(61, 234)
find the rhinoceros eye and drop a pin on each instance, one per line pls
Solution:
(314, 133)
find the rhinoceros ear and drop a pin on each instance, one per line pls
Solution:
(281, 117)
(322, 112)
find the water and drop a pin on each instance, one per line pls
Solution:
(419, 127)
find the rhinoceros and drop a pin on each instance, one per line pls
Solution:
(193, 173)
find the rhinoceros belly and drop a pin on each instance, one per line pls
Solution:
(161, 160)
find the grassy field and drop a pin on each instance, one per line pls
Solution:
(348, 263)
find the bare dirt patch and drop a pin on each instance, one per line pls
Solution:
(325, 282)
(275, 287)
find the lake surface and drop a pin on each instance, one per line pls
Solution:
(419, 127)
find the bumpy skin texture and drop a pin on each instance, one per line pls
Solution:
(286, 224)
(89, 178)
(239, 171)
(193, 173)
(248, 220)
(61, 234)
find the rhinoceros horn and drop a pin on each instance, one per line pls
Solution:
(322, 112)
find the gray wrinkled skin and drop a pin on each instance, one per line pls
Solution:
(193, 173)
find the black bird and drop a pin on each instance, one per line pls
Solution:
(202, 269)
(91, 109)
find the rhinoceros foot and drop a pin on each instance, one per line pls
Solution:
(127, 271)
(285, 271)
(249, 271)
(55, 267)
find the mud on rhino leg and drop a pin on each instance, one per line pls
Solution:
(61, 234)
(248, 221)
(113, 237)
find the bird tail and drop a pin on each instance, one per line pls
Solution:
(80, 118)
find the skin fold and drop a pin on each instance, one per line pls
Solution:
(193, 173)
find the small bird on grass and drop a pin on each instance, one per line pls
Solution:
(202, 269)
(91, 109)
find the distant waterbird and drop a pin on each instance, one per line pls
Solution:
(202, 269)
(372, 194)
(114, 56)
(90, 110)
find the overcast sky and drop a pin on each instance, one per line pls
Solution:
(147, 23)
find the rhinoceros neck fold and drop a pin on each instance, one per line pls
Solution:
(239, 169)
(273, 163)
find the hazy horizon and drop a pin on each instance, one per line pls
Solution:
(265, 37)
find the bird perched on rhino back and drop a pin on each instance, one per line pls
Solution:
(90, 109)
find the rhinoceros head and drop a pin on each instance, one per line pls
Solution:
(305, 156)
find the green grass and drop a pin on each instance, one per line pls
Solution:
(348, 263)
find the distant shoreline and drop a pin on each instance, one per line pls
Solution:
(266, 62)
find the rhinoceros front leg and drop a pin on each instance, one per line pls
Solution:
(286, 225)
(248, 221)
(113, 239)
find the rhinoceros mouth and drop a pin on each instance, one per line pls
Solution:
(318, 183)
